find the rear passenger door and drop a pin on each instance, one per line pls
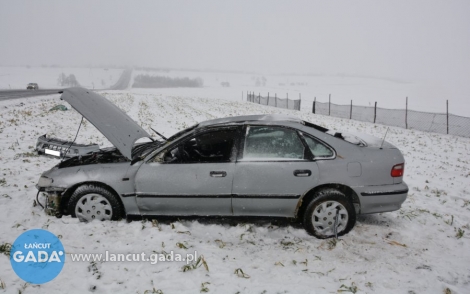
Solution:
(274, 168)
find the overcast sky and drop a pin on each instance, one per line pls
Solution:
(398, 39)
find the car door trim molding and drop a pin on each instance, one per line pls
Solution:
(148, 195)
(271, 196)
(244, 196)
(128, 195)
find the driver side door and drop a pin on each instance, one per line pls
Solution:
(193, 177)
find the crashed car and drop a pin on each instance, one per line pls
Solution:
(258, 165)
(32, 86)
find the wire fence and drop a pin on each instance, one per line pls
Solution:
(443, 123)
(274, 101)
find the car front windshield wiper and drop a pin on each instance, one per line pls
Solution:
(163, 137)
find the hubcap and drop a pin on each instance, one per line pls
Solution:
(93, 206)
(323, 218)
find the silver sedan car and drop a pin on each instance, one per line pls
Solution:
(258, 165)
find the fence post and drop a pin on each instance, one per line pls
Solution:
(329, 104)
(350, 111)
(300, 101)
(259, 98)
(375, 111)
(313, 106)
(406, 113)
(447, 112)
(268, 99)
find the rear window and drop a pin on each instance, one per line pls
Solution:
(344, 136)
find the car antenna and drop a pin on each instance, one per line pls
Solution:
(63, 157)
(383, 140)
(164, 138)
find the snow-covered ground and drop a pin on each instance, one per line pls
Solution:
(46, 78)
(423, 95)
(422, 248)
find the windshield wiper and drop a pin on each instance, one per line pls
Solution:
(163, 137)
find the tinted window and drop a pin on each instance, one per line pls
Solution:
(272, 143)
(318, 149)
(213, 146)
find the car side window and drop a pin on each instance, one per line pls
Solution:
(272, 143)
(318, 149)
(212, 146)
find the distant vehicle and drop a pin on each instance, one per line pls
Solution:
(254, 166)
(32, 86)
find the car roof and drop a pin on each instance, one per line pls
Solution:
(250, 118)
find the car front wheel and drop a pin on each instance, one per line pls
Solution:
(329, 213)
(90, 202)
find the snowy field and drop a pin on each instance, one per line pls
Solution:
(422, 248)
(46, 78)
(423, 95)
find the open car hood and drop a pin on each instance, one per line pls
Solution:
(111, 121)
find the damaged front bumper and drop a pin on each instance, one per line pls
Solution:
(53, 196)
(61, 148)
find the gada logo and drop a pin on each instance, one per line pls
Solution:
(42, 256)
(37, 256)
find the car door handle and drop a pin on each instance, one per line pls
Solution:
(218, 174)
(302, 173)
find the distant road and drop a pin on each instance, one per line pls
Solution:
(14, 94)
(121, 84)
(123, 81)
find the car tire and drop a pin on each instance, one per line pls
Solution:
(90, 202)
(320, 214)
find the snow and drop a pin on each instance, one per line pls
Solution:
(417, 249)
(423, 95)
(46, 78)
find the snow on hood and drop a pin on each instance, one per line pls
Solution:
(121, 130)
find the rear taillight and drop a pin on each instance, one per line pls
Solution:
(398, 170)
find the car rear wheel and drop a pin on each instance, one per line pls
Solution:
(90, 202)
(329, 212)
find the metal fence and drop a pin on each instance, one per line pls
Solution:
(443, 123)
(274, 101)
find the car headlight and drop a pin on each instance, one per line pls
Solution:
(45, 182)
